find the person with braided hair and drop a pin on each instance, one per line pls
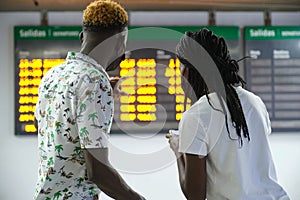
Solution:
(75, 110)
(222, 146)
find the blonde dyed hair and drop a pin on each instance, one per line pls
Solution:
(105, 13)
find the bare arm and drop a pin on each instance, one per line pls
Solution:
(195, 177)
(192, 172)
(192, 176)
(106, 177)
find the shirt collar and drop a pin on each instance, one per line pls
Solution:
(79, 56)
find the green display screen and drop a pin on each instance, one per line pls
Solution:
(273, 73)
(151, 64)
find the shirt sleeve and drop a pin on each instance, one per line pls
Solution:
(192, 135)
(94, 114)
(265, 113)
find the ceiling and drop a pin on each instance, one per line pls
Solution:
(224, 5)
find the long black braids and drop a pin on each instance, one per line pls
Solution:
(228, 68)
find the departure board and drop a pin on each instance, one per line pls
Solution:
(153, 100)
(273, 73)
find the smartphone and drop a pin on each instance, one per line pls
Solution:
(174, 132)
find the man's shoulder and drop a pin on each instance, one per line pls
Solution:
(54, 71)
(84, 68)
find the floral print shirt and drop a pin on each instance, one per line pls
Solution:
(74, 112)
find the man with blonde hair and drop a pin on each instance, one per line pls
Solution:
(74, 113)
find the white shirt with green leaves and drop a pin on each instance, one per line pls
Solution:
(74, 112)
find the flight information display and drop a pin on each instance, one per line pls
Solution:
(152, 98)
(273, 73)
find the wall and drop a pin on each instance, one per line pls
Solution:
(18, 155)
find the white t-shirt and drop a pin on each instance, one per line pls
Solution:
(234, 172)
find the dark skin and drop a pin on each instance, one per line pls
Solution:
(90, 40)
(191, 168)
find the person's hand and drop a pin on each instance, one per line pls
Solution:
(174, 142)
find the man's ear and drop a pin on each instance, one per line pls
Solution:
(81, 37)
